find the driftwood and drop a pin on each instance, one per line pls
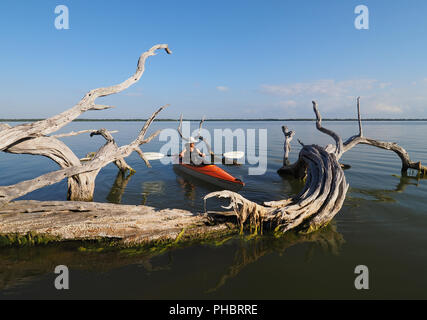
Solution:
(108, 153)
(32, 139)
(12, 135)
(324, 192)
(297, 169)
(312, 208)
(318, 202)
(128, 224)
(287, 144)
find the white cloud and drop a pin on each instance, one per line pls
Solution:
(338, 98)
(381, 107)
(222, 88)
(329, 88)
(287, 103)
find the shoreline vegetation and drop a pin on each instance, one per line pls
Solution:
(217, 120)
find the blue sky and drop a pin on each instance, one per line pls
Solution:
(238, 59)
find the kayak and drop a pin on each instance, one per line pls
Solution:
(212, 174)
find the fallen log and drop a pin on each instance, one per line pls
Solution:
(125, 224)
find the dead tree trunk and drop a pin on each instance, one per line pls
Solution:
(108, 153)
(32, 139)
(287, 144)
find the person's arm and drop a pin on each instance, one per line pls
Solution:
(181, 155)
(201, 153)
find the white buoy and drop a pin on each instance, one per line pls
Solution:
(234, 155)
(153, 156)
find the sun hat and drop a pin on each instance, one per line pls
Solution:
(191, 140)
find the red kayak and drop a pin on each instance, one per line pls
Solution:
(211, 174)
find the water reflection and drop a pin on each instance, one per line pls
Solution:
(116, 193)
(188, 187)
(20, 266)
(151, 188)
(328, 239)
(291, 185)
(386, 195)
(120, 183)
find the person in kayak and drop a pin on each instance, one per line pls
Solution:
(191, 155)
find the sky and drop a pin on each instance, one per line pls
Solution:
(231, 59)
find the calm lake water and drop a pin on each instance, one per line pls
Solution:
(383, 225)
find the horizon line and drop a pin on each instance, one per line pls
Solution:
(214, 119)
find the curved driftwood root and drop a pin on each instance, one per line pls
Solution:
(322, 196)
(244, 209)
(314, 207)
(318, 202)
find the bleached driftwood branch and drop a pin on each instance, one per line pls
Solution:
(108, 153)
(76, 133)
(45, 127)
(407, 163)
(298, 169)
(32, 138)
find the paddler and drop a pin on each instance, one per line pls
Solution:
(191, 154)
